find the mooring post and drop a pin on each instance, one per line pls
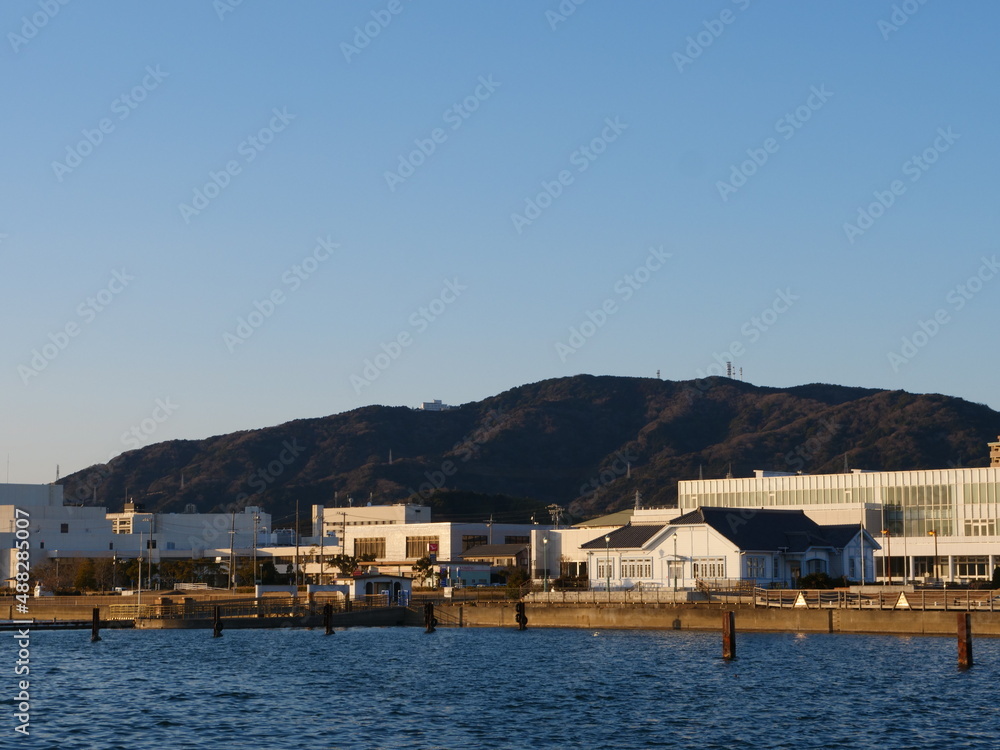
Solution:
(964, 640)
(328, 618)
(520, 618)
(95, 626)
(217, 623)
(429, 622)
(729, 635)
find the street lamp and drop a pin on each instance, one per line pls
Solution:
(888, 555)
(607, 562)
(934, 563)
(545, 562)
(674, 563)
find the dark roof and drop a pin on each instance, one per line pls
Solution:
(768, 529)
(841, 534)
(627, 537)
(495, 550)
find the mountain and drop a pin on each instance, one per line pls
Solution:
(585, 443)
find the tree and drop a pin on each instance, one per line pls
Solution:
(423, 568)
(84, 578)
(346, 564)
(516, 579)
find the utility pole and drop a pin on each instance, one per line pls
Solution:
(149, 562)
(256, 519)
(296, 542)
(232, 552)
(140, 571)
(489, 525)
(322, 533)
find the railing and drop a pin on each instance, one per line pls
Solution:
(597, 597)
(924, 599)
(730, 585)
(263, 607)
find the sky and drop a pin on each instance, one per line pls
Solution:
(217, 216)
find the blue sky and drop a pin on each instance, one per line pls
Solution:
(477, 196)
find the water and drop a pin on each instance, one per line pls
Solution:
(482, 688)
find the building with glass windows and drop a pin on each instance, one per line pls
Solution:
(934, 525)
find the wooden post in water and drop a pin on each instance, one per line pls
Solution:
(95, 626)
(429, 622)
(217, 623)
(728, 635)
(328, 618)
(964, 641)
(520, 618)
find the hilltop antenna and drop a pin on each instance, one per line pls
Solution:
(638, 500)
(741, 374)
(57, 472)
(846, 469)
(729, 474)
(182, 481)
(390, 456)
(701, 474)
(657, 374)
(729, 369)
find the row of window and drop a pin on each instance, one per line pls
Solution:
(927, 495)
(642, 567)
(421, 546)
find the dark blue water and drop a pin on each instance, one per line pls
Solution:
(483, 688)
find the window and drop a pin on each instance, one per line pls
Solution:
(675, 570)
(971, 567)
(516, 540)
(637, 567)
(64, 528)
(756, 567)
(605, 568)
(980, 527)
(370, 546)
(816, 566)
(709, 567)
(473, 540)
(418, 546)
(150, 544)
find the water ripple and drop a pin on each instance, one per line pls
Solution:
(401, 689)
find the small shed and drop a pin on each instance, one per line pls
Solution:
(363, 585)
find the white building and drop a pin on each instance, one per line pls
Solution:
(939, 524)
(57, 531)
(192, 535)
(436, 405)
(35, 513)
(399, 535)
(658, 548)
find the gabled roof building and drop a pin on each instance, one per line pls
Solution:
(767, 547)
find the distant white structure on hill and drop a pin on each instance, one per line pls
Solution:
(436, 405)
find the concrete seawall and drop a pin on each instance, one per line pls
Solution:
(898, 622)
(373, 618)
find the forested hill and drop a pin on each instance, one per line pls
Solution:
(585, 443)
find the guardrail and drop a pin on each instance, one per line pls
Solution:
(924, 599)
